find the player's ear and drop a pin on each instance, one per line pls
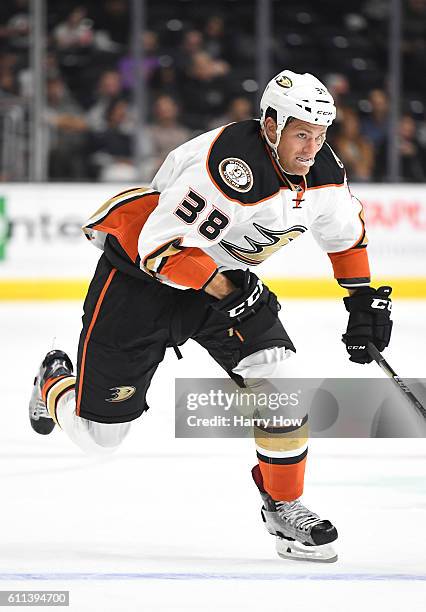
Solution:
(271, 129)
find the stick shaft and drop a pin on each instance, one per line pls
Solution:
(390, 372)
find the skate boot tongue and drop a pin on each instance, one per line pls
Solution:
(296, 514)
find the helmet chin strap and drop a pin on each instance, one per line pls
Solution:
(274, 146)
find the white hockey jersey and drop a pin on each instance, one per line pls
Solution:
(221, 202)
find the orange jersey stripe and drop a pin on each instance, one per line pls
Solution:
(190, 268)
(327, 185)
(89, 331)
(126, 221)
(352, 263)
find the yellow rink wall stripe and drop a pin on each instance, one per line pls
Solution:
(43, 289)
(318, 288)
(300, 288)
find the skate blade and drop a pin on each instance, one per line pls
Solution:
(291, 549)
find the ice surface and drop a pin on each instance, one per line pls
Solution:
(168, 524)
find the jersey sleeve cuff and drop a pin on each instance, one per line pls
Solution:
(351, 268)
(192, 267)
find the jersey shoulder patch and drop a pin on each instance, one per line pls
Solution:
(327, 169)
(239, 165)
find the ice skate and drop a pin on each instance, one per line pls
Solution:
(55, 365)
(300, 533)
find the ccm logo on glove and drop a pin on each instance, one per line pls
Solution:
(251, 309)
(381, 304)
(236, 311)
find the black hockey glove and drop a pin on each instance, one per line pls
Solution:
(251, 309)
(369, 321)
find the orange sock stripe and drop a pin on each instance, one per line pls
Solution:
(283, 482)
(89, 331)
(48, 385)
(62, 385)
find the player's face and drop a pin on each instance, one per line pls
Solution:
(300, 142)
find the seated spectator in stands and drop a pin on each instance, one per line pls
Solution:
(51, 70)
(8, 74)
(16, 31)
(126, 65)
(355, 150)
(338, 85)
(165, 133)
(112, 16)
(192, 42)
(75, 32)
(413, 153)
(109, 89)
(67, 131)
(8, 84)
(239, 109)
(375, 126)
(215, 41)
(113, 147)
(165, 81)
(51, 65)
(205, 90)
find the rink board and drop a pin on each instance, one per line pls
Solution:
(44, 255)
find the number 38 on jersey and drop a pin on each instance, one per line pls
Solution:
(191, 207)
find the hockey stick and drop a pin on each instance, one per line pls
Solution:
(408, 394)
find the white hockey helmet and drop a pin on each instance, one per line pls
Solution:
(301, 96)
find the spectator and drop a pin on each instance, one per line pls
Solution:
(375, 126)
(413, 154)
(215, 42)
(109, 88)
(8, 74)
(192, 43)
(16, 32)
(165, 133)
(67, 130)
(239, 109)
(354, 149)
(338, 85)
(126, 65)
(112, 16)
(205, 90)
(25, 76)
(166, 81)
(8, 85)
(76, 32)
(112, 147)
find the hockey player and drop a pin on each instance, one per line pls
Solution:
(177, 264)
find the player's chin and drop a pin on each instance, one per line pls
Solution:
(300, 168)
